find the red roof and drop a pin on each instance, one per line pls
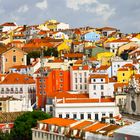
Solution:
(87, 100)
(58, 121)
(80, 67)
(16, 78)
(8, 24)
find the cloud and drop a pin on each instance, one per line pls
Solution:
(92, 6)
(23, 9)
(42, 5)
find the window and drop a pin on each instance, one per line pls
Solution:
(123, 74)
(22, 59)
(96, 116)
(67, 115)
(111, 115)
(94, 80)
(0, 104)
(76, 86)
(94, 87)
(102, 93)
(80, 86)
(60, 115)
(6, 60)
(80, 80)
(89, 116)
(14, 58)
(14, 50)
(74, 116)
(75, 80)
(85, 80)
(61, 80)
(61, 74)
(85, 86)
(85, 74)
(118, 66)
(101, 80)
(0, 108)
(102, 87)
(82, 116)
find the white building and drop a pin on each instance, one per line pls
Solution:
(8, 26)
(100, 86)
(59, 35)
(86, 108)
(19, 86)
(62, 26)
(115, 44)
(117, 63)
(79, 78)
(10, 104)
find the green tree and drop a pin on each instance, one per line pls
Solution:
(51, 52)
(124, 55)
(24, 123)
(33, 54)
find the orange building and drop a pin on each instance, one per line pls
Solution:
(56, 80)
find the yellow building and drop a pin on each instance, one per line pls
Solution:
(105, 57)
(124, 73)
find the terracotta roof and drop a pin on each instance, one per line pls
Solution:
(99, 76)
(76, 43)
(16, 78)
(58, 121)
(103, 67)
(116, 85)
(82, 125)
(57, 61)
(108, 129)
(73, 55)
(18, 67)
(108, 28)
(65, 94)
(123, 69)
(8, 24)
(130, 66)
(119, 40)
(86, 67)
(96, 127)
(113, 79)
(87, 100)
(79, 62)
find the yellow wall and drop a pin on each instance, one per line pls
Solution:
(124, 76)
(104, 57)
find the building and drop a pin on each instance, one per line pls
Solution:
(91, 36)
(125, 72)
(130, 132)
(10, 104)
(56, 80)
(116, 63)
(8, 26)
(100, 86)
(69, 129)
(19, 86)
(10, 57)
(79, 78)
(85, 108)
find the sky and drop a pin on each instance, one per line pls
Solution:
(122, 14)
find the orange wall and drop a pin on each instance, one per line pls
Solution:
(52, 83)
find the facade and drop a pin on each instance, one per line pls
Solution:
(56, 80)
(12, 57)
(116, 63)
(10, 104)
(69, 129)
(91, 36)
(20, 87)
(87, 108)
(79, 78)
(99, 86)
(8, 26)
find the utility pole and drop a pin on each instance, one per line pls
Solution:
(42, 79)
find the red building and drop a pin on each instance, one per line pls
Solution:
(56, 80)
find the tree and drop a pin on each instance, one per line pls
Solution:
(51, 52)
(124, 55)
(24, 123)
(33, 54)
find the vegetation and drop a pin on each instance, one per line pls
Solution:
(124, 55)
(23, 125)
(36, 54)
